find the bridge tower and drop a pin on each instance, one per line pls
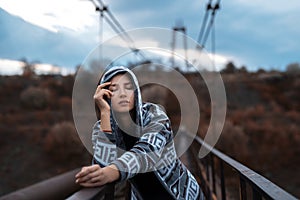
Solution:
(179, 28)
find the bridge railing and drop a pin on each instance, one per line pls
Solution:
(251, 185)
(211, 171)
(105, 192)
(61, 187)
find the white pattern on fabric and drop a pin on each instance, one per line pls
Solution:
(153, 151)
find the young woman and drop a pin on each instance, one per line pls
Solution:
(134, 141)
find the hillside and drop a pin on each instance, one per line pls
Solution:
(38, 139)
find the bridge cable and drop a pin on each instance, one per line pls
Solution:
(120, 30)
(116, 26)
(101, 33)
(213, 14)
(206, 26)
(204, 22)
(213, 46)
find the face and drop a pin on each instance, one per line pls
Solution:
(122, 88)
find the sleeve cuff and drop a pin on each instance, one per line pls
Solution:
(110, 136)
(101, 134)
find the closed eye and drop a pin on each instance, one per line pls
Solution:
(128, 86)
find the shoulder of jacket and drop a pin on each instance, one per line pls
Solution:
(153, 106)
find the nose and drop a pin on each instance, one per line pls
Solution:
(122, 92)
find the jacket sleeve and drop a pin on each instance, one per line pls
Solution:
(148, 150)
(104, 146)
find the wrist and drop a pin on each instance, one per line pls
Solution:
(105, 122)
(105, 112)
(114, 173)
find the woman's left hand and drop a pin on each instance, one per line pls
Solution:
(94, 175)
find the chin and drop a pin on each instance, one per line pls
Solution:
(122, 110)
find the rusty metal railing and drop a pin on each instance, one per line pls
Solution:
(250, 184)
(105, 192)
(59, 188)
(210, 171)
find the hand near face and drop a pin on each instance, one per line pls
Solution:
(100, 95)
(121, 92)
(93, 176)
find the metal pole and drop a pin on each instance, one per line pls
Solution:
(223, 189)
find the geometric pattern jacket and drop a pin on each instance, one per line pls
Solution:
(153, 150)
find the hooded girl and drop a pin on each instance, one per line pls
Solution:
(133, 141)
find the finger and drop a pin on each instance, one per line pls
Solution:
(77, 175)
(100, 92)
(107, 93)
(103, 85)
(82, 179)
(81, 173)
(91, 176)
(97, 180)
(86, 170)
(89, 180)
(97, 184)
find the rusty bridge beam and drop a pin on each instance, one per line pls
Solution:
(58, 187)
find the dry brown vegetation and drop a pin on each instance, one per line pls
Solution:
(37, 135)
(262, 129)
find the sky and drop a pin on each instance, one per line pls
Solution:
(256, 34)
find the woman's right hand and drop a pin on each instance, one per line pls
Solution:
(94, 176)
(100, 95)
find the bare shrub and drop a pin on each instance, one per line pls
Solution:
(234, 141)
(293, 69)
(35, 98)
(63, 141)
(65, 103)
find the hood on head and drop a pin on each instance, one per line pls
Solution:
(108, 75)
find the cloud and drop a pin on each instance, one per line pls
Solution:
(20, 39)
(55, 14)
(12, 67)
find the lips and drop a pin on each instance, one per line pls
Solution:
(124, 102)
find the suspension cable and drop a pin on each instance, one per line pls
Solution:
(116, 26)
(101, 34)
(206, 27)
(213, 14)
(204, 22)
(120, 30)
(213, 46)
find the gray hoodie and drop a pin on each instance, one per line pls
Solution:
(152, 151)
